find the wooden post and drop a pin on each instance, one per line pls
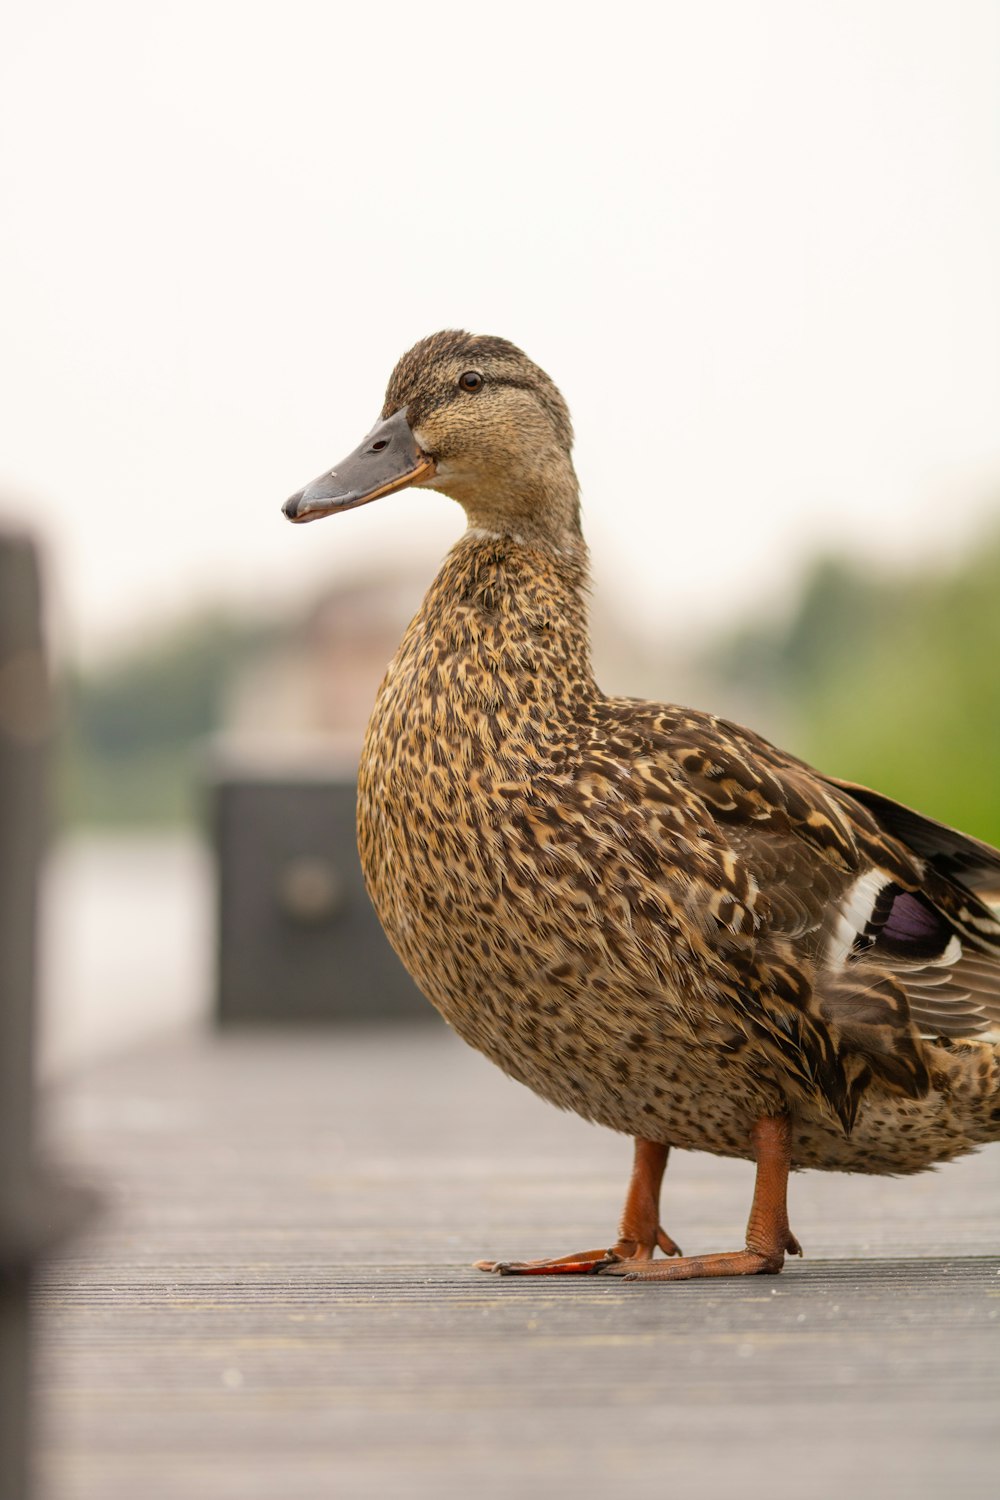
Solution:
(23, 733)
(33, 1212)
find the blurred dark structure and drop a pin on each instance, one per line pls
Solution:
(33, 1212)
(298, 939)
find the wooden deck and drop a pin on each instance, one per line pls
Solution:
(277, 1303)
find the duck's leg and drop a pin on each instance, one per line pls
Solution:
(639, 1233)
(768, 1234)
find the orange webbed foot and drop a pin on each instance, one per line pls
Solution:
(584, 1262)
(691, 1267)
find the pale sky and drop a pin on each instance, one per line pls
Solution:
(757, 245)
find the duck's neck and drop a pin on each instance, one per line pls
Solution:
(512, 608)
(538, 508)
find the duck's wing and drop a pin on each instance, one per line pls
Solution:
(939, 937)
(880, 909)
(957, 856)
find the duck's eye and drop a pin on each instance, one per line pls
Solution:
(470, 381)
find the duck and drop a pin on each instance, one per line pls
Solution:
(647, 914)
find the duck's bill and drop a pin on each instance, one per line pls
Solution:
(390, 458)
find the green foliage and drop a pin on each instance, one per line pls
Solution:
(130, 751)
(894, 682)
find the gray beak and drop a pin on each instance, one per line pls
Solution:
(389, 459)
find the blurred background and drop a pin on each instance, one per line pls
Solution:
(756, 246)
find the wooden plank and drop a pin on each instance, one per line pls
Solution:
(280, 1302)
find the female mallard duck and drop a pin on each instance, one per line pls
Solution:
(647, 914)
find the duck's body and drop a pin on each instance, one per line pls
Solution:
(542, 861)
(648, 915)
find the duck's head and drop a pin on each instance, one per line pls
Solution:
(471, 416)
